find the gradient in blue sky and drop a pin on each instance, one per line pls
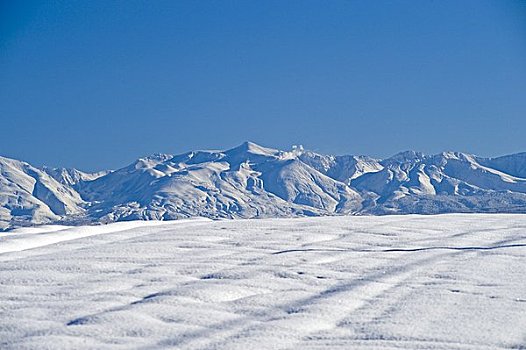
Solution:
(96, 84)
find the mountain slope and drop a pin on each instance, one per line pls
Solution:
(412, 182)
(246, 181)
(514, 164)
(254, 181)
(72, 177)
(29, 195)
(341, 168)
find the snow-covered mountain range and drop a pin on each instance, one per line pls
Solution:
(253, 181)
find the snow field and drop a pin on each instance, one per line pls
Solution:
(396, 282)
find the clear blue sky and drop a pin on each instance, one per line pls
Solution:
(96, 84)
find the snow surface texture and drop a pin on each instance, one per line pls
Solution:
(451, 281)
(251, 181)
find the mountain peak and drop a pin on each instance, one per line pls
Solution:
(151, 161)
(253, 148)
(405, 156)
(456, 155)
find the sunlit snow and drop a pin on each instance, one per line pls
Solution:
(397, 282)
